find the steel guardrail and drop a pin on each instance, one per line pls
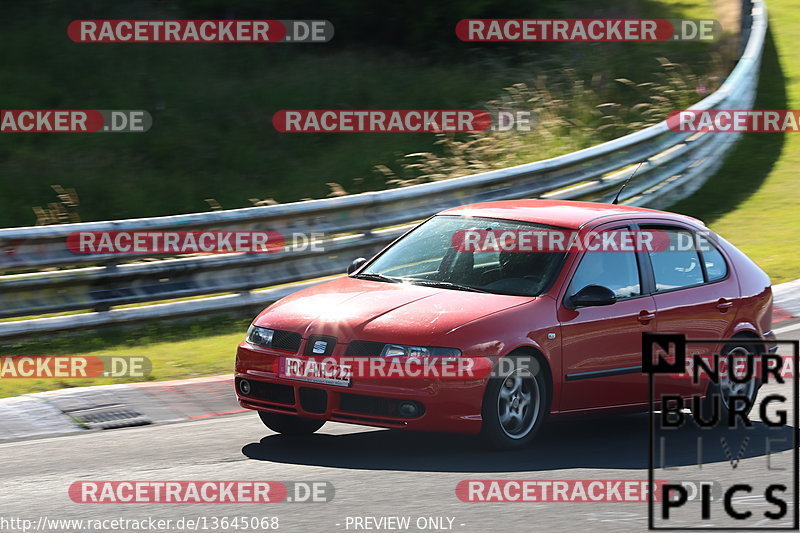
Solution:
(357, 225)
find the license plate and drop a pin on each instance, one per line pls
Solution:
(327, 372)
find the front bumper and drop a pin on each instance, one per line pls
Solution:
(446, 405)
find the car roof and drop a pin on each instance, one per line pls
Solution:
(562, 213)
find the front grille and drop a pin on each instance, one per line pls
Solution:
(273, 392)
(313, 400)
(365, 348)
(320, 345)
(286, 340)
(365, 405)
(376, 406)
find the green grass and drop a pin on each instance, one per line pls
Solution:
(752, 200)
(212, 106)
(206, 144)
(176, 351)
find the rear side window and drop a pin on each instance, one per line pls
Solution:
(678, 265)
(716, 268)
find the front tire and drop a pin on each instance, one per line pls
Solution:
(515, 404)
(290, 425)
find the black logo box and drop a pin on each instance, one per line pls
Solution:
(664, 340)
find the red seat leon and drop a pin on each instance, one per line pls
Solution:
(489, 318)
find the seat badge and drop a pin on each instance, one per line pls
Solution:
(319, 347)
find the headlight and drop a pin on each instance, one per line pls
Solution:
(400, 350)
(260, 336)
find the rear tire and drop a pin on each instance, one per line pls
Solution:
(515, 404)
(721, 393)
(290, 425)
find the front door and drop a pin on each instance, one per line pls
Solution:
(602, 346)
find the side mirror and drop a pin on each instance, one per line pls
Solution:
(355, 265)
(592, 296)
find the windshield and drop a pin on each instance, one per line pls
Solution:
(427, 256)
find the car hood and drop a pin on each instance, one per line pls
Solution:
(350, 309)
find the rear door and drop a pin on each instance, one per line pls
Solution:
(695, 292)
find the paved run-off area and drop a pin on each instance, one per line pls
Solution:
(378, 473)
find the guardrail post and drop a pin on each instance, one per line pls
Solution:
(110, 268)
(745, 23)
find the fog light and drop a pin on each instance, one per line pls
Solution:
(244, 387)
(408, 409)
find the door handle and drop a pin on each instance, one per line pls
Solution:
(724, 304)
(646, 316)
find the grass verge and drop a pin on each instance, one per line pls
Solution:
(752, 199)
(176, 351)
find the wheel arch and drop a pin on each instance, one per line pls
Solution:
(532, 351)
(743, 331)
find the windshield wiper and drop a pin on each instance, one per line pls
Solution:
(376, 277)
(445, 285)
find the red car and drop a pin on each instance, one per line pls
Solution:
(550, 330)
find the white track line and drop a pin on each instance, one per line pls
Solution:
(787, 328)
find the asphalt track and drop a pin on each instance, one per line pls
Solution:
(381, 473)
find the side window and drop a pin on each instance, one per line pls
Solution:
(678, 265)
(617, 271)
(716, 268)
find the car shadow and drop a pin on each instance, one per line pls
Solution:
(618, 442)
